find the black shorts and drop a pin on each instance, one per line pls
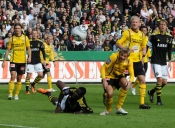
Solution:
(138, 68)
(145, 66)
(46, 69)
(18, 67)
(115, 82)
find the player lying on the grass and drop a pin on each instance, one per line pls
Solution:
(70, 100)
(112, 73)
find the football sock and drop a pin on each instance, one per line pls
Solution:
(36, 81)
(142, 90)
(27, 83)
(109, 104)
(11, 86)
(121, 98)
(153, 90)
(53, 99)
(135, 83)
(158, 91)
(18, 86)
(49, 81)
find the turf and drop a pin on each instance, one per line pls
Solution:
(35, 110)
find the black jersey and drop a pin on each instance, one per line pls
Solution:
(36, 47)
(161, 45)
(72, 105)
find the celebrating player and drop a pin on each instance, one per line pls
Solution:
(161, 44)
(112, 73)
(17, 44)
(70, 100)
(35, 64)
(136, 41)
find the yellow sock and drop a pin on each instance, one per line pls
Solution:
(109, 104)
(11, 86)
(49, 81)
(135, 83)
(142, 90)
(18, 86)
(27, 83)
(158, 89)
(121, 98)
(36, 81)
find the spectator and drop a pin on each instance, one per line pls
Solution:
(56, 45)
(6, 40)
(18, 6)
(11, 11)
(36, 9)
(145, 14)
(83, 46)
(136, 8)
(106, 46)
(90, 42)
(97, 46)
(32, 23)
(3, 31)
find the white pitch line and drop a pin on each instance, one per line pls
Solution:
(16, 126)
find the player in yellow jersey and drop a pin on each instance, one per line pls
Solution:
(113, 77)
(17, 46)
(49, 55)
(136, 41)
(144, 29)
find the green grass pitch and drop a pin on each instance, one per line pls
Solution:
(35, 110)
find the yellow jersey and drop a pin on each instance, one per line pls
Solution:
(113, 68)
(49, 53)
(18, 46)
(135, 41)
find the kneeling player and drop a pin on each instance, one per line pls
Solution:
(70, 100)
(112, 73)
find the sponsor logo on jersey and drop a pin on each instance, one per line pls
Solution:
(162, 45)
(167, 40)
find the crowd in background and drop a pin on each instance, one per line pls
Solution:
(104, 22)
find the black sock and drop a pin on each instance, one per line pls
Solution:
(27, 88)
(158, 99)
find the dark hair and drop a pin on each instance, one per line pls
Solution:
(144, 27)
(17, 24)
(83, 91)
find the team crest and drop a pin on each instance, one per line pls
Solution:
(167, 40)
(38, 45)
(157, 73)
(108, 61)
